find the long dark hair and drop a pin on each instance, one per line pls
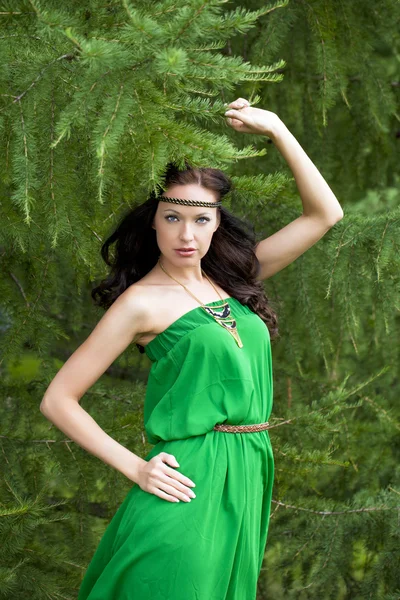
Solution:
(230, 261)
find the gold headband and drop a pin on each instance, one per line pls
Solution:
(189, 202)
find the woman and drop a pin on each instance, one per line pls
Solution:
(186, 287)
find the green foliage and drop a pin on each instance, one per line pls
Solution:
(96, 99)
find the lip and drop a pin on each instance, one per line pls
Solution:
(183, 249)
(185, 252)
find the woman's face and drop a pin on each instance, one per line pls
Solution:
(183, 226)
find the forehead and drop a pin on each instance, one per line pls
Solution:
(190, 191)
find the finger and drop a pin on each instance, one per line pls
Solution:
(165, 496)
(237, 104)
(241, 103)
(173, 491)
(236, 114)
(178, 477)
(239, 126)
(177, 485)
(235, 123)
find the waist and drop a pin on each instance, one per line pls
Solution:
(242, 428)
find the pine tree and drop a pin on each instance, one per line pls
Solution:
(95, 100)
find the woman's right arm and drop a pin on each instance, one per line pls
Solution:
(122, 323)
(118, 328)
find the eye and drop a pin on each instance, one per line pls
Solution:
(174, 217)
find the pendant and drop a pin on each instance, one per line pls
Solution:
(223, 319)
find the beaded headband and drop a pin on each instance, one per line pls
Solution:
(189, 202)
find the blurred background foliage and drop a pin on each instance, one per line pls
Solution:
(96, 99)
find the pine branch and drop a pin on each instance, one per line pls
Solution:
(325, 513)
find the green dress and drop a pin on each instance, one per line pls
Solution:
(212, 547)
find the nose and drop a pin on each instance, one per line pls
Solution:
(186, 233)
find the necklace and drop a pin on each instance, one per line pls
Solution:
(220, 313)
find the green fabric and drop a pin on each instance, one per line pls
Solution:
(212, 547)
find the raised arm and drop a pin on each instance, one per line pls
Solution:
(321, 209)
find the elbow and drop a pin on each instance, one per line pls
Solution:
(340, 217)
(50, 405)
(43, 407)
(336, 219)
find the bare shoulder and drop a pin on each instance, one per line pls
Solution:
(151, 306)
(137, 302)
(145, 300)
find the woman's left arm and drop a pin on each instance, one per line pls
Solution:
(321, 209)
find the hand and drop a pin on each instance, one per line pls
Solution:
(247, 119)
(157, 478)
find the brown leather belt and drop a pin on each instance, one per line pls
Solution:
(241, 428)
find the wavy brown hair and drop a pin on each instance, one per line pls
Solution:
(231, 261)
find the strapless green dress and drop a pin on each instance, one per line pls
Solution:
(211, 548)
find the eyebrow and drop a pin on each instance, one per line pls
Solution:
(178, 213)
